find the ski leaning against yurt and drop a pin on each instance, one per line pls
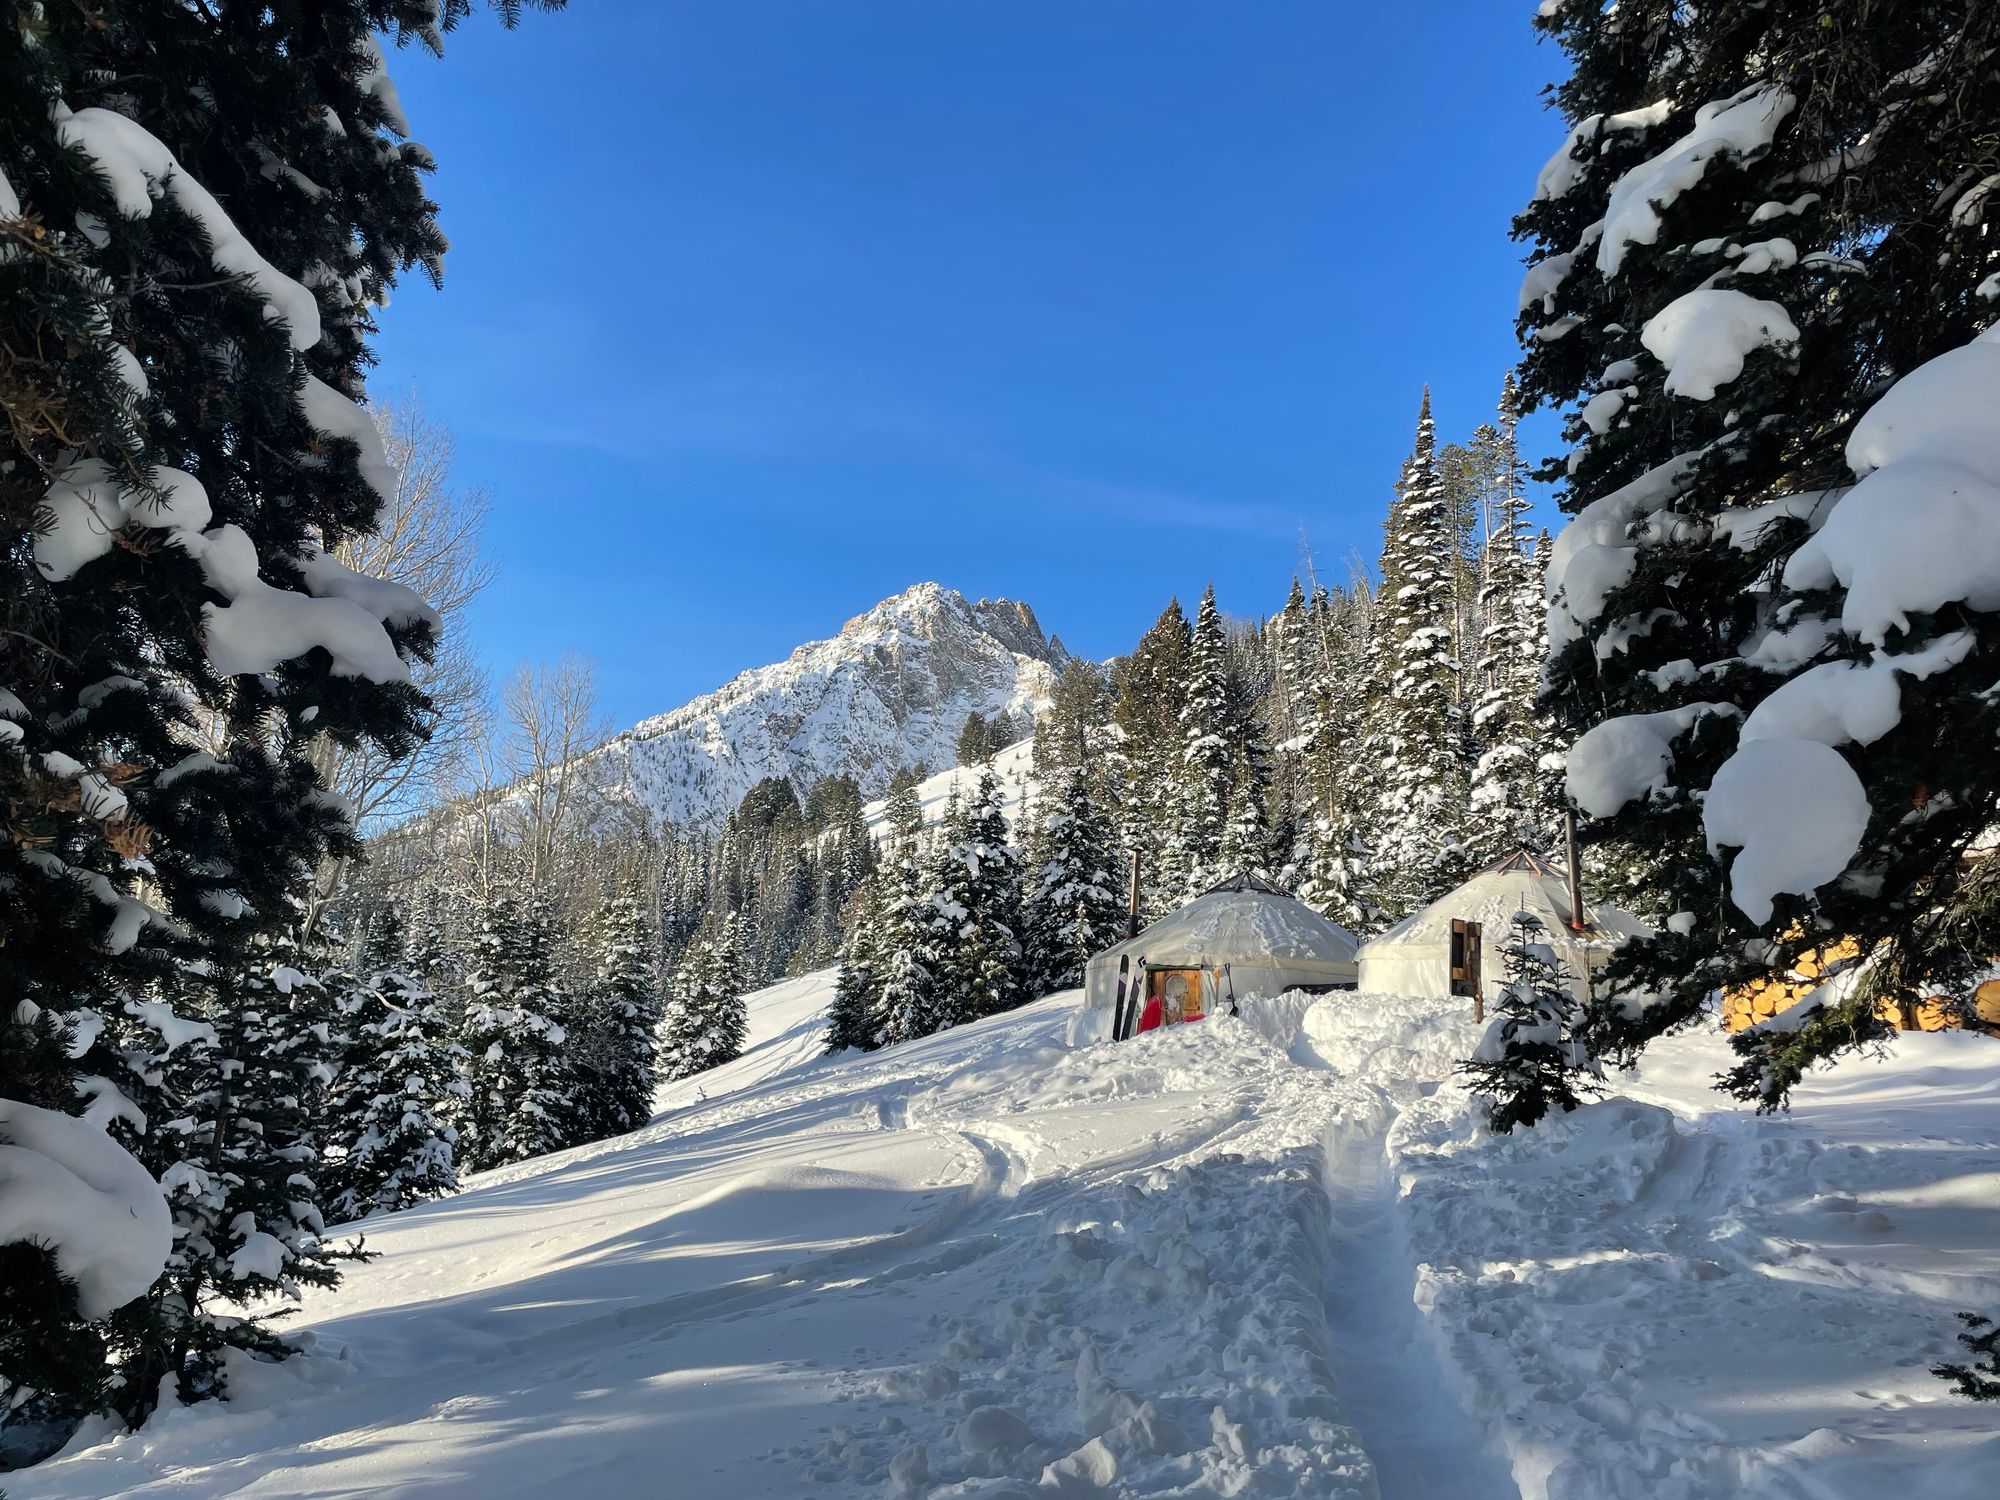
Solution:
(1239, 939)
(1452, 946)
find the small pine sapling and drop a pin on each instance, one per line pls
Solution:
(1530, 1060)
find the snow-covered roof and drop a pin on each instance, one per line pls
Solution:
(1520, 882)
(1413, 957)
(1269, 941)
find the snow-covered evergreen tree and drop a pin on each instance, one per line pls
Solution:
(854, 1018)
(1509, 806)
(626, 1010)
(1297, 660)
(245, 1193)
(1147, 758)
(200, 218)
(1207, 751)
(970, 933)
(1420, 791)
(903, 976)
(1073, 907)
(404, 1079)
(1531, 1059)
(1336, 862)
(703, 1024)
(518, 1080)
(1761, 223)
(1245, 839)
(429, 959)
(1977, 1375)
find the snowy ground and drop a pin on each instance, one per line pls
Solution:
(1260, 1257)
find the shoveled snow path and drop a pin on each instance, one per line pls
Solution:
(1423, 1445)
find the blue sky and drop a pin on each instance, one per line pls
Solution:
(759, 312)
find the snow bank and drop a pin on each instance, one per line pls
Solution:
(66, 1185)
(984, 1264)
(1398, 1043)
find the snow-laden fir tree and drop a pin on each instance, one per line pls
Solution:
(1246, 841)
(1207, 745)
(902, 972)
(1760, 262)
(1976, 1375)
(879, 957)
(624, 1021)
(1531, 1060)
(1420, 788)
(246, 1196)
(1510, 801)
(429, 959)
(973, 925)
(1071, 731)
(703, 1024)
(138, 1061)
(1296, 662)
(1147, 758)
(403, 1080)
(518, 1079)
(846, 859)
(200, 216)
(1072, 908)
(854, 1018)
(1339, 666)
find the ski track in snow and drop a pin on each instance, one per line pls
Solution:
(1264, 1257)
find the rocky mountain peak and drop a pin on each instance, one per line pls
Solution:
(890, 691)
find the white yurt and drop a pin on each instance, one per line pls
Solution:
(1268, 942)
(1437, 950)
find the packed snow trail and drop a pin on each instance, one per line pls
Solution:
(993, 1264)
(1421, 1441)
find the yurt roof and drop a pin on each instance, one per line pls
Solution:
(1243, 918)
(1519, 882)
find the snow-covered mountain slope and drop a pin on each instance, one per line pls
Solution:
(892, 690)
(1261, 1257)
(1013, 765)
(786, 1033)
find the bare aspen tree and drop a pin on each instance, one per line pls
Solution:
(552, 721)
(428, 537)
